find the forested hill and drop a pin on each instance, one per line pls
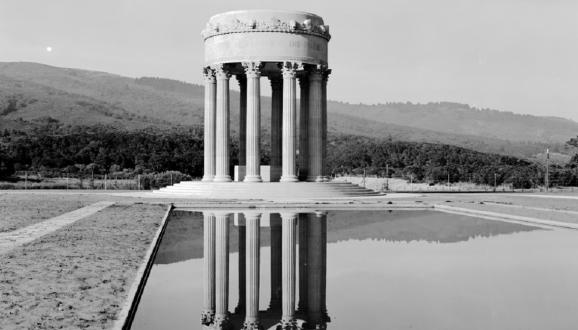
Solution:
(82, 150)
(30, 93)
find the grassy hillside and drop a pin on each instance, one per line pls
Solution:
(30, 93)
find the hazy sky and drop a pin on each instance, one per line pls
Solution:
(513, 55)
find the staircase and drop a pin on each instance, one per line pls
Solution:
(264, 190)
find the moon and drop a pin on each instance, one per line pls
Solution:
(49, 49)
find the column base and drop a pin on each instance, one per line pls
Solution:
(253, 178)
(208, 178)
(222, 178)
(317, 178)
(289, 178)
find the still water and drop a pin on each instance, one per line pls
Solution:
(362, 270)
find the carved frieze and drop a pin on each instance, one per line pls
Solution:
(272, 25)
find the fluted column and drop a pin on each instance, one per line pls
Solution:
(252, 221)
(324, 124)
(209, 128)
(208, 312)
(253, 73)
(303, 159)
(303, 267)
(240, 309)
(221, 320)
(289, 171)
(242, 79)
(276, 263)
(222, 124)
(276, 122)
(288, 279)
(315, 172)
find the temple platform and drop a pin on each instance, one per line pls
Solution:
(264, 190)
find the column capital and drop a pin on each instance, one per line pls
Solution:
(288, 324)
(222, 322)
(222, 71)
(221, 213)
(252, 69)
(252, 325)
(318, 72)
(326, 74)
(209, 74)
(289, 69)
(289, 215)
(252, 215)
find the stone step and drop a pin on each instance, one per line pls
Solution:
(265, 190)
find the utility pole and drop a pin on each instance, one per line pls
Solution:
(547, 178)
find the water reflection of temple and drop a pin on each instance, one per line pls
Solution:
(295, 238)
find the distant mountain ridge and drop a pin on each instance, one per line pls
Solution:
(31, 92)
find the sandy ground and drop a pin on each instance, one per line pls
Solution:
(77, 277)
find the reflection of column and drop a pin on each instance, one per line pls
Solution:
(322, 216)
(276, 262)
(303, 230)
(315, 131)
(222, 125)
(222, 271)
(241, 228)
(209, 129)
(242, 79)
(303, 127)
(276, 121)
(315, 281)
(253, 72)
(289, 122)
(208, 269)
(288, 279)
(252, 281)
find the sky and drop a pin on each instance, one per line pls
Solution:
(509, 55)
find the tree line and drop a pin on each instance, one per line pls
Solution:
(52, 150)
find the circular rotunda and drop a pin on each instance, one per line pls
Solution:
(285, 47)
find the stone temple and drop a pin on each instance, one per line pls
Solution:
(289, 50)
(283, 47)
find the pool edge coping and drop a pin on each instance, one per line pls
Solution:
(126, 315)
(504, 217)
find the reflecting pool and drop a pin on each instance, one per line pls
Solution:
(359, 270)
